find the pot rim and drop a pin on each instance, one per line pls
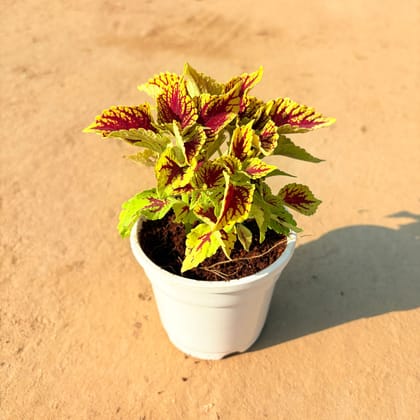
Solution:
(147, 263)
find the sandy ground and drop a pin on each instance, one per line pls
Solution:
(80, 335)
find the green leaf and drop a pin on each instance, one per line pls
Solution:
(300, 198)
(146, 203)
(260, 215)
(244, 235)
(198, 83)
(285, 147)
(145, 157)
(278, 227)
(269, 213)
(202, 242)
(278, 172)
(143, 138)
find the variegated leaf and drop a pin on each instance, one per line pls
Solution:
(268, 138)
(227, 242)
(119, 118)
(205, 211)
(146, 203)
(246, 80)
(217, 111)
(255, 168)
(170, 174)
(174, 104)
(193, 143)
(285, 147)
(291, 117)
(201, 243)
(183, 213)
(241, 143)
(236, 204)
(199, 83)
(300, 198)
(210, 175)
(230, 163)
(254, 108)
(157, 84)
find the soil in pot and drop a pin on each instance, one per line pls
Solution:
(163, 241)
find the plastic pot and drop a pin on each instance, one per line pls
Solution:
(208, 319)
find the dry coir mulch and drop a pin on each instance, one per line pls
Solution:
(163, 241)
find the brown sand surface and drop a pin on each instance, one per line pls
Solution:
(80, 336)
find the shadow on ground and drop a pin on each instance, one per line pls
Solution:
(347, 274)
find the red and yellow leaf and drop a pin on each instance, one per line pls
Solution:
(205, 211)
(227, 241)
(291, 117)
(300, 198)
(268, 138)
(254, 109)
(183, 213)
(217, 111)
(210, 175)
(255, 168)
(119, 118)
(236, 204)
(246, 80)
(159, 83)
(193, 143)
(230, 163)
(241, 143)
(169, 172)
(202, 242)
(174, 104)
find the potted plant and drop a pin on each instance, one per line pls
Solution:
(212, 215)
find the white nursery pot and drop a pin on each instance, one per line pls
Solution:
(212, 319)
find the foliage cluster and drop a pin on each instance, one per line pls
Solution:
(207, 142)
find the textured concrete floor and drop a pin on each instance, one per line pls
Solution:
(80, 336)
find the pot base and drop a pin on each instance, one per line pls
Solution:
(211, 355)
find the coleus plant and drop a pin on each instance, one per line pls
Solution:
(207, 142)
